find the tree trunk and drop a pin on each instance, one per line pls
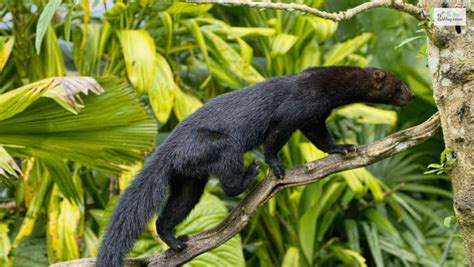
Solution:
(450, 54)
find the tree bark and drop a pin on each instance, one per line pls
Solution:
(450, 54)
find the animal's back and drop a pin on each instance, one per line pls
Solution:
(242, 115)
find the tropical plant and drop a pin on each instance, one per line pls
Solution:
(65, 155)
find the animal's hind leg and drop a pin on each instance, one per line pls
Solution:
(234, 178)
(185, 194)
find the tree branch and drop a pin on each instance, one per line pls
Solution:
(305, 174)
(336, 16)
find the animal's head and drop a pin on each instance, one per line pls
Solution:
(387, 88)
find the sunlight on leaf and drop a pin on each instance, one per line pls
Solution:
(362, 113)
(139, 52)
(323, 28)
(292, 257)
(162, 90)
(63, 224)
(112, 130)
(340, 51)
(244, 32)
(5, 245)
(232, 60)
(6, 46)
(36, 206)
(282, 43)
(7, 164)
(64, 90)
(188, 9)
(185, 104)
(310, 56)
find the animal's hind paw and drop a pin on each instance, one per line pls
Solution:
(179, 243)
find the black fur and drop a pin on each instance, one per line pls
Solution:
(212, 141)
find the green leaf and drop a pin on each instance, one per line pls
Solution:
(323, 28)
(44, 20)
(195, 30)
(168, 26)
(139, 52)
(352, 233)
(339, 52)
(6, 46)
(307, 224)
(407, 41)
(209, 212)
(185, 104)
(113, 129)
(374, 245)
(362, 113)
(282, 43)
(231, 59)
(7, 164)
(348, 256)
(162, 90)
(427, 189)
(188, 9)
(36, 204)
(5, 244)
(65, 91)
(353, 179)
(243, 32)
(383, 224)
(449, 221)
(292, 257)
(63, 224)
(311, 56)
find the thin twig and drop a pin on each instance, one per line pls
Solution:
(335, 16)
(305, 174)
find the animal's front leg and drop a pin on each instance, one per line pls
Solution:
(274, 141)
(320, 136)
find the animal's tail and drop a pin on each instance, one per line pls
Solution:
(139, 202)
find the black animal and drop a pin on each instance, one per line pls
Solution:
(212, 141)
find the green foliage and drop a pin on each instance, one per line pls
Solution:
(68, 145)
(444, 166)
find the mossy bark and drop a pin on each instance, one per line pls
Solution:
(450, 56)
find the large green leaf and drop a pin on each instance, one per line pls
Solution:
(208, 213)
(65, 91)
(340, 51)
(162, 90)
(185, 104)
(140, 58)
(113, 129)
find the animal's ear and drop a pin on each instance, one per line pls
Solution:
(378, 77)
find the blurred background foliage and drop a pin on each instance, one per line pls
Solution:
(89, 87)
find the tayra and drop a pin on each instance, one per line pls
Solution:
(212, 141)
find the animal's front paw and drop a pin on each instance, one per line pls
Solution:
(277, 169)
(342, 149)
